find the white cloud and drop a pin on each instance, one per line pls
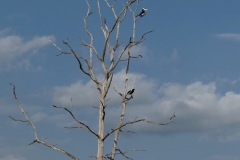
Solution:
(198, 107)
(78, 93)
(60, 120)
(11, 157)
(14, 47)
(228, 36)
(140, 82)
(85, 94)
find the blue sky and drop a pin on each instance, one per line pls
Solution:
(190, 66)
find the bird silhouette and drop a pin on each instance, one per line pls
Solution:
(130, 92)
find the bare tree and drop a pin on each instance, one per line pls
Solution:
(109, 58)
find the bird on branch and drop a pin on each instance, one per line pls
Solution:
(142, 13)
(130, 92)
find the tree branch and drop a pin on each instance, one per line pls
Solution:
(78, 58)
(123, 125)
(85, 126)
(91, 47)
(36, 138)
(20, 120)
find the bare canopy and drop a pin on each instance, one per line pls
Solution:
(109, 57)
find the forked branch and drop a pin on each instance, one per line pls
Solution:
(35, 131)
(130, 44)
(90, 73)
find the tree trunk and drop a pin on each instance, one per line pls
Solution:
(101, 120)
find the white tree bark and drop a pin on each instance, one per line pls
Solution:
(109, 62)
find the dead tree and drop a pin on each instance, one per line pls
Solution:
(109, 58)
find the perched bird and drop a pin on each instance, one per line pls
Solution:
(130, 92)
(142, 13)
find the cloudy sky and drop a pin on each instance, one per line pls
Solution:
(190, 67)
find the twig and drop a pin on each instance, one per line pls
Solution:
(14, 119)
(85, 126)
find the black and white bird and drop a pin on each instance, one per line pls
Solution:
(142, 13)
